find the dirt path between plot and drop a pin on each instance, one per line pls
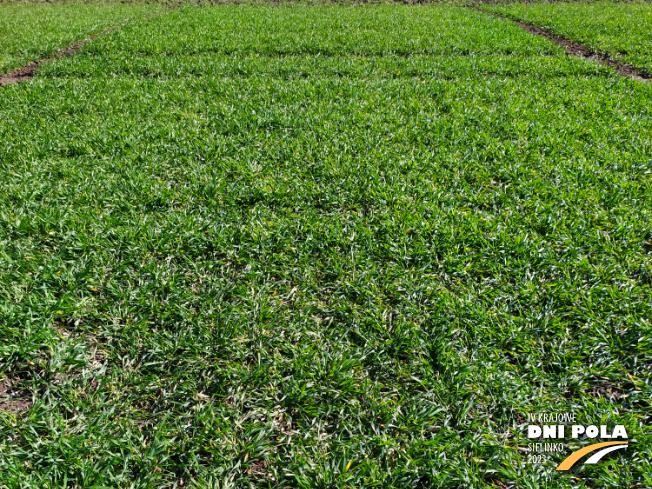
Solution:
(29, 70)
(577, 49)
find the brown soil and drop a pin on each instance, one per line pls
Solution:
(257, 468)
(29, 70)
(13, 400)
(15, 405)
(578, 49)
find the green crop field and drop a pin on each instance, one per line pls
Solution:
(321, 246)
(621, 30)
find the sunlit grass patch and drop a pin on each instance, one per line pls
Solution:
(231, 256)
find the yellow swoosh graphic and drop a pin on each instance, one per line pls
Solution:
(575, 456)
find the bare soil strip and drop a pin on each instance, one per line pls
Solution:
(578, 49)
(29, 70)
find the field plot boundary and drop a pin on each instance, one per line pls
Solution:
(576, 49)
(28, 71)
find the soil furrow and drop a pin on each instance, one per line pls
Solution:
(29, 70)
(577, 49)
